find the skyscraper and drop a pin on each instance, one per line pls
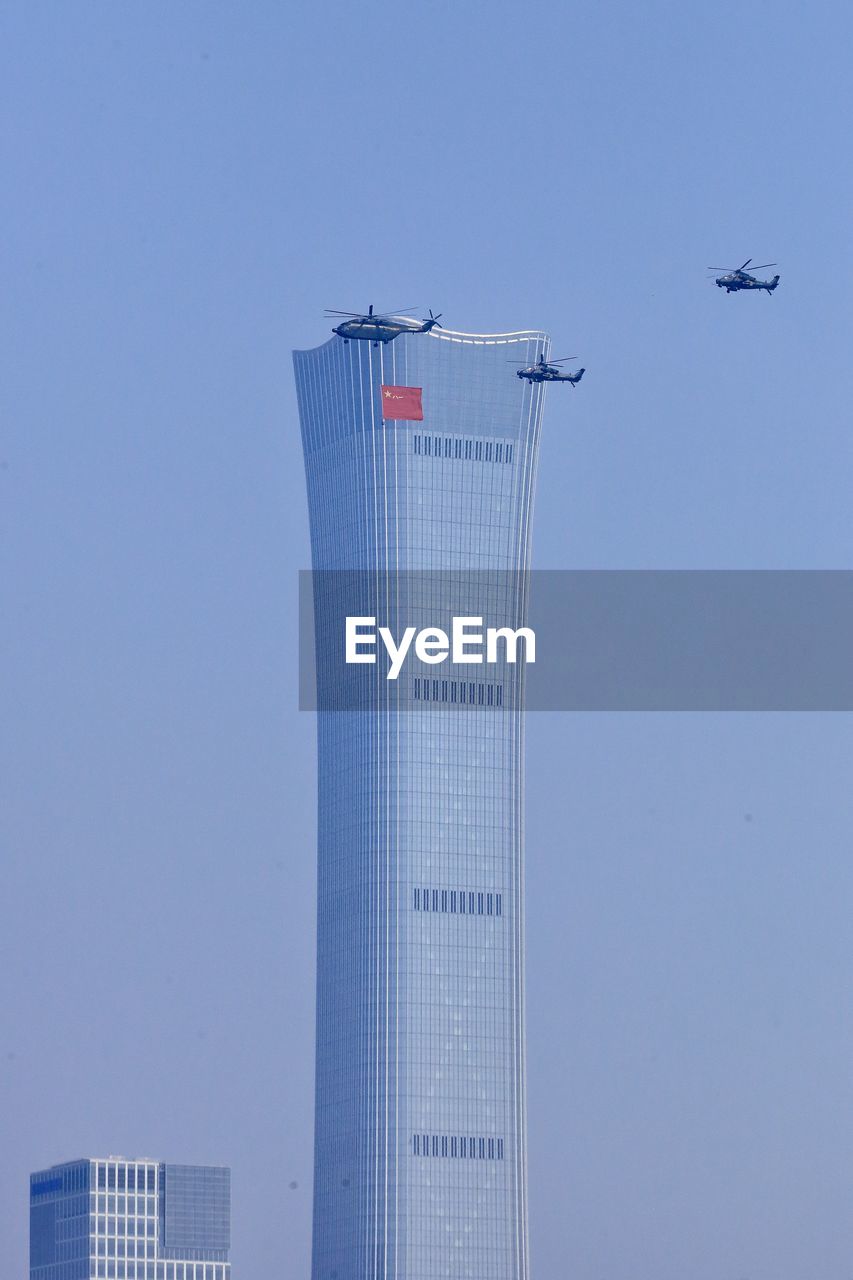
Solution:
(420, 1161)
(130, 1220)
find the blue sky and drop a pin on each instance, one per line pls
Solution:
(186, 187)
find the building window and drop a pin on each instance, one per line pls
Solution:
(462, 448)
(466, 692)
(457, 902)
(457, 1147)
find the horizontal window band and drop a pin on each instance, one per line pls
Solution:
(457, 902)
(471, 693)
(457, 1146)
(461, 448)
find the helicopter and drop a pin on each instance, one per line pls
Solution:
(381, 327)
(543, 371)
(735, 278)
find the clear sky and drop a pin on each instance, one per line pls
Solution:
(185, 188)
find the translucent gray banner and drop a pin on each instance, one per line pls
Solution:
(661, 640)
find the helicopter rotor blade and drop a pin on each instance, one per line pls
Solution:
(745, 265)
(369, 315)
(763, 265)
(564, 360)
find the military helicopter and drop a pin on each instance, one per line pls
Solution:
(543, 371)
(736, 278)
(383, 327)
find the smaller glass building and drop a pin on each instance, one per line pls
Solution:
(119, 1219)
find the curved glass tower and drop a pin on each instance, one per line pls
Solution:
(420, 1104)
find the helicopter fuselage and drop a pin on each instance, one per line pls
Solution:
(737, 280)
(385, 329)
(547, 373)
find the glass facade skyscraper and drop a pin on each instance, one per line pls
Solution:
(119, 1219)
(420, 1163)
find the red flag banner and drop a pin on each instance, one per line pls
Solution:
(402, 402)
